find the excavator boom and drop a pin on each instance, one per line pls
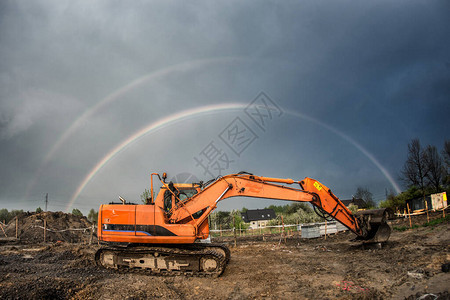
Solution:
(310, 190)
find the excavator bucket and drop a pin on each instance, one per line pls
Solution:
(375, 221)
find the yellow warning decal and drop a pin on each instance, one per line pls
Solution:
(444, 196)
(317, 186)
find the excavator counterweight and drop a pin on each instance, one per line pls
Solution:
(161, 236)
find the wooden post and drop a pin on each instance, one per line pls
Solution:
(443, 208)
(234, 229)
(279, 230)
(3, 230)
(92, 234)
(45, 230)
(409, 215)
(283, 233)
(426, 208)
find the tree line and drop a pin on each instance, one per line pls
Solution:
(6, 216)
(223, 220)
(294, 213)
(92, 216)
(425, 171)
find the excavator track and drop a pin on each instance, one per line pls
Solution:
(192, 260)
(216, 247)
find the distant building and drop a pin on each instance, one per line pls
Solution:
(434, 201)
(418, 203)
(258, 218)
(360, 203)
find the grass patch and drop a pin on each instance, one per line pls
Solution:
(437, 221)
(401, 228)
(404, 228)
(432, 223)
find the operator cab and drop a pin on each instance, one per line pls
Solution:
(178, 192)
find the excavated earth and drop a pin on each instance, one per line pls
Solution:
(61, 227)
(406, 267)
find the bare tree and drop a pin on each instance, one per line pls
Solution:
(434, 167)
(446, 157)
(366, 195)
(415, 170)
(446, 153)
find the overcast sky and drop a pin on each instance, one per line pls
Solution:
(96, 95)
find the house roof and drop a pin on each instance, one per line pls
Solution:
(258, 215)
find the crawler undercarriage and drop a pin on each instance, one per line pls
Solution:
(202, 260)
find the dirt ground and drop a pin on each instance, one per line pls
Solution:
(408, 266)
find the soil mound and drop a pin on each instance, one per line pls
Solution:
(59, 227)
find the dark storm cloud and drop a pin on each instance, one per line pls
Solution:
(376, 71)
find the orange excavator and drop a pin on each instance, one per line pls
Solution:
(161, 236)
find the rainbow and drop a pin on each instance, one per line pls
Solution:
(196, 112)
(153, 127)
(358, 146)
(178, 68)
